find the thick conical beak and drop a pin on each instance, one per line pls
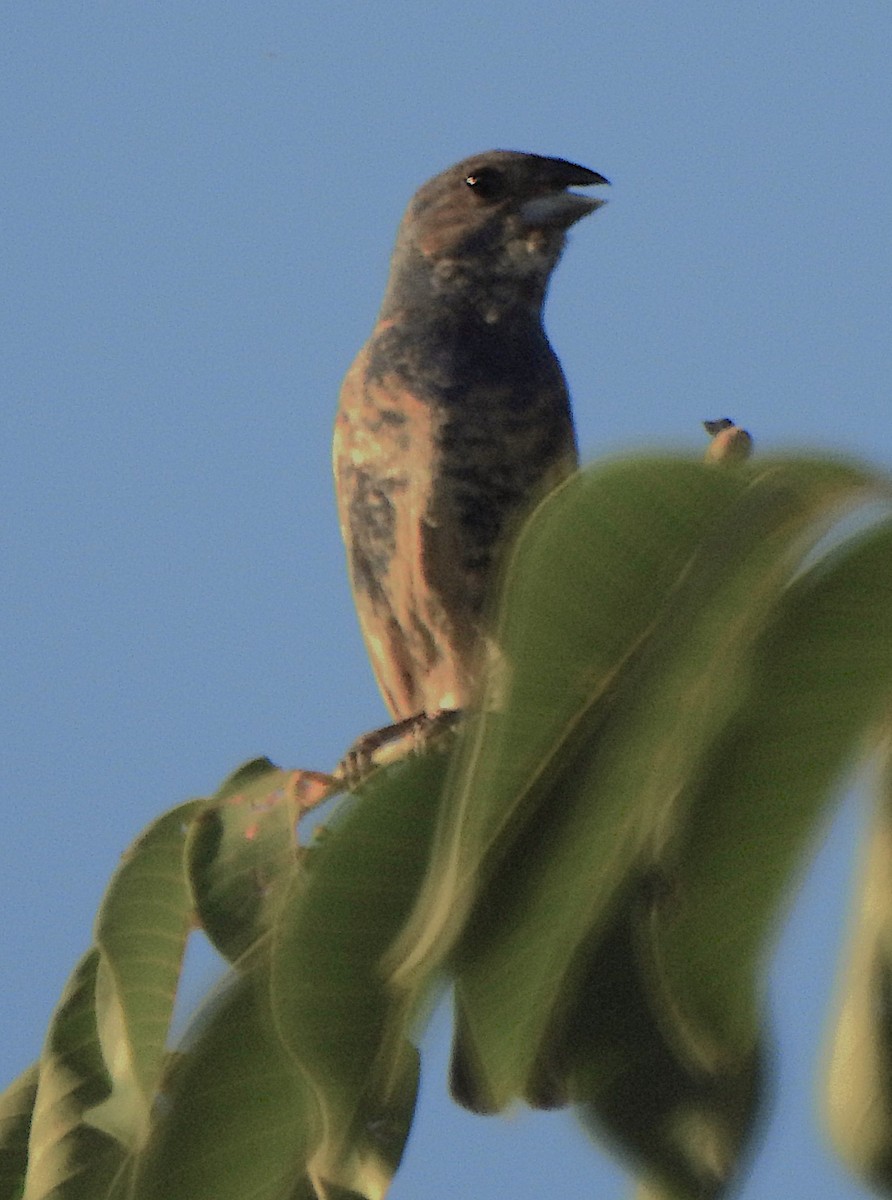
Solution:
(562, 209)
(554, 205)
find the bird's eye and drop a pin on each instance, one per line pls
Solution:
(487, 183)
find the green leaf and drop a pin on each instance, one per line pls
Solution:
(859, 1075)
(685, 1128)
(16, 1107)
(68, 1157)
(639, 721)
(378, 1141)
(587, 580)
(242, 852)
(335, 1012)
(234, 1119)
(141, 932)
(822, 675)
(237, 1119)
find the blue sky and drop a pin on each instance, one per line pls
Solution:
(198, 208)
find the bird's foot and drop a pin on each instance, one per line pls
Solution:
(382, 746)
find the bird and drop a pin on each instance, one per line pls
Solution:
(453, 421)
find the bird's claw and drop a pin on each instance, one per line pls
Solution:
(390, 743)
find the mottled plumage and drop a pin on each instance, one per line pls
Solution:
(454, 418)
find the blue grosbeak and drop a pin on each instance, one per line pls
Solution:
(454, 420)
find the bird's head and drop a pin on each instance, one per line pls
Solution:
(488, 231)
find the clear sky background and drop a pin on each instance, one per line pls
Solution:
(198, 206)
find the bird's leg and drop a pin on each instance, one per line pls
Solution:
(393, 742)
(430, 727)
(362, 756)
